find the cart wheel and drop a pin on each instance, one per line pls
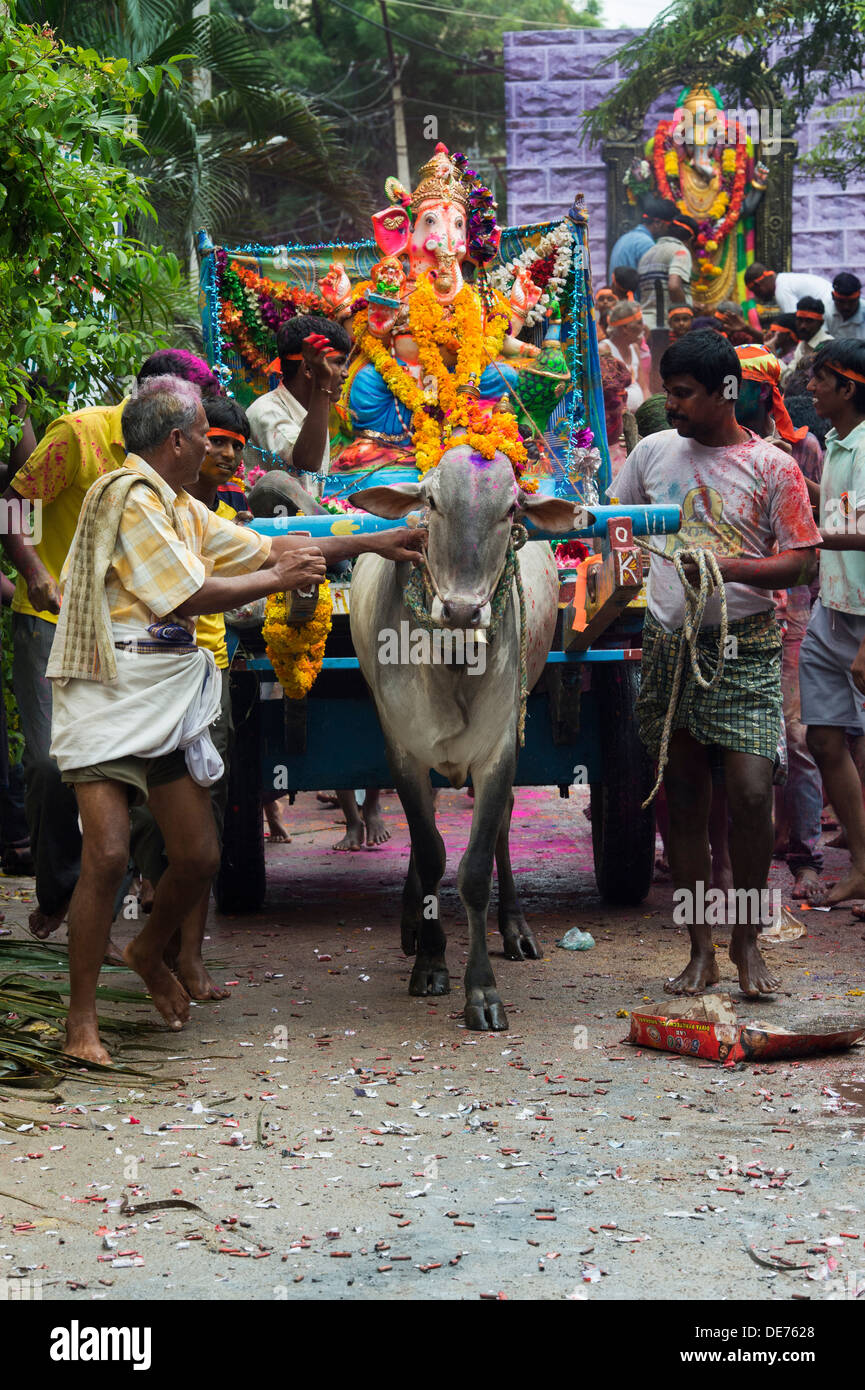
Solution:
(241, 883)
(623, 834)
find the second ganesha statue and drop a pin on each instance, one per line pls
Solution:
(434, 353)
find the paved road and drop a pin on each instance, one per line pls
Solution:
(351, 1141)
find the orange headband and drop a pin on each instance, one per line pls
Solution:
(808, 314)
(780, 328)
(226, 434)
(680, 309)
(675, 222)
(845, 371)
(762, 276)
(837, 295)
(626, 318)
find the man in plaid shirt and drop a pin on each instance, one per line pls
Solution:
(133, 696)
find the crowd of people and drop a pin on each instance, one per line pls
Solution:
(765, 457)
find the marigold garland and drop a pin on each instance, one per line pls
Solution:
(439, 413)
(253, 307)
(296, 653)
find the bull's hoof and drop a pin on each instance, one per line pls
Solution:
(484, 1011)
(429, 977)
(408, 938)
(518, 941)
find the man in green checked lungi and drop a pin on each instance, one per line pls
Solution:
(745, 501)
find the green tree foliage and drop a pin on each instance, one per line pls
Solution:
(805, 49)
(232, 133)
(80, 300)
(449, 53)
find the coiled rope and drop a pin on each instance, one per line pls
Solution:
(695, 604)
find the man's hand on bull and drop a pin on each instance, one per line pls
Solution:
(299, 568)
(398, 545)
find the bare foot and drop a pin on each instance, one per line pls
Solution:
(113, 954)
(755, 977)
(859, 911)
(198, 983)
(166, 992)
(83, 1041)
(699, 974)
(353, 837)
(838, 841)
(853, 886)
(276, 825)
(43, 924)
(327, 798)
(146, 895)
(376, 832)
(807, 886)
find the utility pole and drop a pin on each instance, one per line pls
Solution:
(403, 172)
(202, 90)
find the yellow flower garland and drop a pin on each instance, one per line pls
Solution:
(296, 653)
(474, 342)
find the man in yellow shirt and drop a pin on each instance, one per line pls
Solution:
(75, 450)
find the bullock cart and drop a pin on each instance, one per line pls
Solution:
(580, 727)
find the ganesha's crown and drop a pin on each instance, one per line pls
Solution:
(441, 178)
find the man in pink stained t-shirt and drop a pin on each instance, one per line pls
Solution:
(746, 502)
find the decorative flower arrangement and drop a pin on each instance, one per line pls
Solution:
(548, 263)
(725, 210)
(637, 180)
(296, 653)
(476, 338)
(252, 308)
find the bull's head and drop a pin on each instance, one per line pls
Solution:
(472, 503)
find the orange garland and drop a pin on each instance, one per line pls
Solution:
(721, 229)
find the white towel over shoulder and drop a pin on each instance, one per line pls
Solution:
(160, 702)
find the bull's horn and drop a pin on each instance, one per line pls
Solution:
(485, 616)
(436, 611)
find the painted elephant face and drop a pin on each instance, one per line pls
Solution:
(438, 245)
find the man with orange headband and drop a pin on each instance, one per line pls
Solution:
(291, 421)
(832, 660)
(810, 330)
(799, 802)
(665, 280)
(785, 288)
(847, 319)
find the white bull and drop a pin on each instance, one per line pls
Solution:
(460, 720)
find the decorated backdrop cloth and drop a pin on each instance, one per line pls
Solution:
(246, 291)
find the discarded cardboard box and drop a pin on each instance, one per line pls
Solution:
(708, 1028)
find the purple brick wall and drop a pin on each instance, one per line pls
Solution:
(548, 86)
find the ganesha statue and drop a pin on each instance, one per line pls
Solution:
(435, 353)
(706, 161)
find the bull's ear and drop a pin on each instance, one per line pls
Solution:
(554, 514)
(390, 502)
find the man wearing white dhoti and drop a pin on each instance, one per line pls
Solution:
(133, 697)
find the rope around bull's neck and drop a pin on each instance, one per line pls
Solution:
(422, 586)
(695, 604)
